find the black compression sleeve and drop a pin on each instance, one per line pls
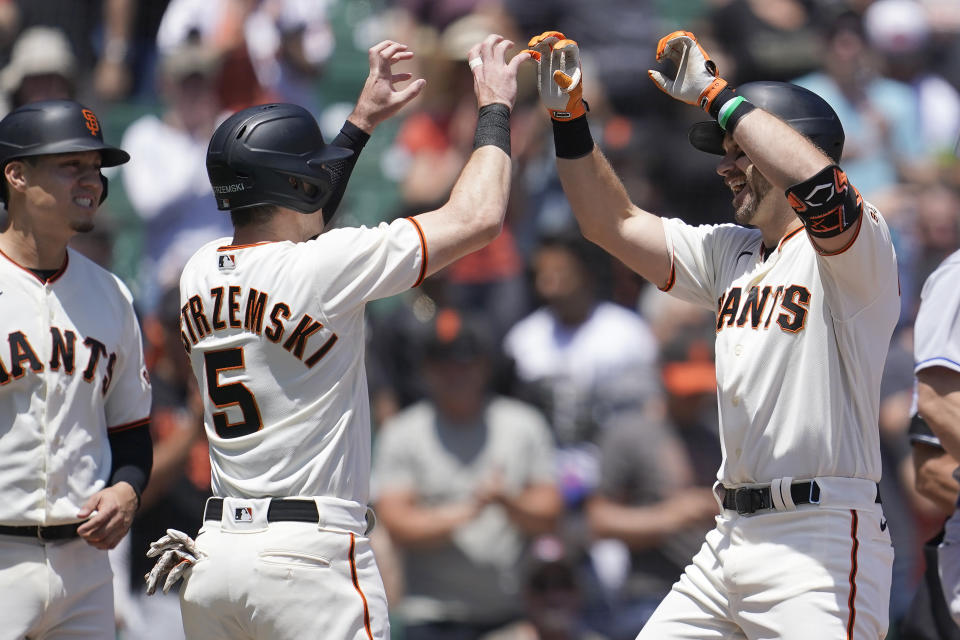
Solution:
(132, 453)
(827, 203)
(350, 137)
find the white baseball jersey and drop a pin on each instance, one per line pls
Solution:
(936, 331)
(275, 334)
(801, 341)
(936, 343)
(71, 371)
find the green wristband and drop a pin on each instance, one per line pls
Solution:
(727, 110)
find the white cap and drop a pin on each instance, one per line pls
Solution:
(896, 26)
(38, 51)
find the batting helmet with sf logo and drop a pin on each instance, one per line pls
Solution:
(54, 126)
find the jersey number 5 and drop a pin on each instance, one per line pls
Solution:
(229, 395)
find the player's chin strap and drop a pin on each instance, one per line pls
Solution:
(350, 137)
(827, 203)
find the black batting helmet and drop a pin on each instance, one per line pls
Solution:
(54, 126)
(801, 108)
(259, 156)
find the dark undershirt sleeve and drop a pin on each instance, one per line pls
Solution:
(132, 451)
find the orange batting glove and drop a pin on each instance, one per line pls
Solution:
(696, 81)
(558, 80)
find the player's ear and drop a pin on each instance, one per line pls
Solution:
(14, 174)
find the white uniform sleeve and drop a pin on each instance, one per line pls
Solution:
(936, 340)
(128, 396)
(369, 263)
(700, 254)
(863, 271)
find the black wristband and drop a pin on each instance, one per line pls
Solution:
(572, 138)
(351, 137)
(493, 127)
(739, 110)
(726, 95)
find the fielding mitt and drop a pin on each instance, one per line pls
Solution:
(178, 552)
(558, 80)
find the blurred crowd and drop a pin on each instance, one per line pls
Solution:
(545, 433)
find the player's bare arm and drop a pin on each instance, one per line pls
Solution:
(933, 472)
(786, 158)
(473, 215)
(938, 401)
(599, 201)
(380, 98)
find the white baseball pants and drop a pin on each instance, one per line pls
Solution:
(283, 580)
(54, 590)
(809, 572)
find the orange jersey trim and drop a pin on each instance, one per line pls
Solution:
(136, 424)
(231, 247)
(672, 279)
(789, 236)
(356, 585)
(852, 599)
(53, 278)
(423, 245)
(844, 248)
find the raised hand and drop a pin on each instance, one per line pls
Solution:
(696, 80)
(495, 79)
(380, 99)
(559, 77)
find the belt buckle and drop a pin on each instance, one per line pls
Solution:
(747, 501)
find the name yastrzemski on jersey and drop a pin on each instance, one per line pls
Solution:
(783, 306)
(67, 351)
(281, 326)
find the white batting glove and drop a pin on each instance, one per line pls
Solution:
(178, 552)
(696, 81)
(559, 75)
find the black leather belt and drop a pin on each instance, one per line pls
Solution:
(280, 509)
(50, 533)
(747, 500)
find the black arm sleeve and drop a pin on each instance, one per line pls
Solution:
(350, 137)
(132, 451)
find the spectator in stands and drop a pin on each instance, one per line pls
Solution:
(553, 596)
(166, 179)
(273, 51)
(767, 39)
(579, 357)
(462, 482)
(655, 494)
(880, 116)
(180, 481)
(42, 67)
(899, 31)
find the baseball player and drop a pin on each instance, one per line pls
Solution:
(936, 350)
(806, 296)
(75, 449)
(273, 321)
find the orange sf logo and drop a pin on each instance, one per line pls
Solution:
(92, 123)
